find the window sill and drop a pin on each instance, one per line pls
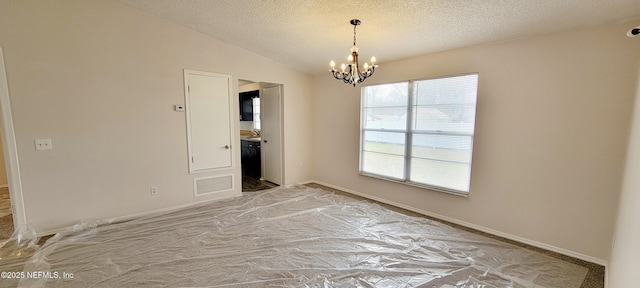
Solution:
(419, 185)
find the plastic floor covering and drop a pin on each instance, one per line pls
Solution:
(5, 202)
(283, 237)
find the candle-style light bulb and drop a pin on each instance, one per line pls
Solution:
(333, 65)
(373, 60)
(343, 67)
(350, 58)
(366, 66)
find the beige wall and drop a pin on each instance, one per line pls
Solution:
(552, 126)
(100, 79)
(625, 258)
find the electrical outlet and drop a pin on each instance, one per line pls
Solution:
(43, 144)
(154, 190)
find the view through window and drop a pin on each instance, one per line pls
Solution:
(420, 132)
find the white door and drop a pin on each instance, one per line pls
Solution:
(208, 120)
(271, 122)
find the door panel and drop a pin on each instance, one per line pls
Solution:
(271, 121)
(209, 124)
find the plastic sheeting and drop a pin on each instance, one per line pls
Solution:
(288, 237)
(5, 203)
(14, 252)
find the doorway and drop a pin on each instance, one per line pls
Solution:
(6, 218)
(261, 135)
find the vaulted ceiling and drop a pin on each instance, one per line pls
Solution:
(307, 34)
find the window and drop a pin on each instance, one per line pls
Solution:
(420, 132)
(256, 113)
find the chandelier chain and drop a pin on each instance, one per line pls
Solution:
(354, 35)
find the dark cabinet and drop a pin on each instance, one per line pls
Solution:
(246, 105)
(251, 163)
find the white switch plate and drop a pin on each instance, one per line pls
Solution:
(43, 144)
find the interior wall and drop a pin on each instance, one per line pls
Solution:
(625, 258)
(101, 80)
(553, 117)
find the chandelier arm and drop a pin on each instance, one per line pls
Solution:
(363, 75)
(339, 75)
(346, 77)
(366, 74)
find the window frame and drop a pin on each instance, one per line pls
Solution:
(409, 133)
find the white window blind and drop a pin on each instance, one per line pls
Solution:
(256, 113)
(420, 132)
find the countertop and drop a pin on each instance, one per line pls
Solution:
(256, 139)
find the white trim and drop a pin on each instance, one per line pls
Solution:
(11, 151)
(130, 217)
(419, 185)
(471, 225)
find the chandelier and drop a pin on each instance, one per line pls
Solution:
(354, 74)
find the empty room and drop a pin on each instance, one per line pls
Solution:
(212, 143)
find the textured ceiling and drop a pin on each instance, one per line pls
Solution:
(307, 34)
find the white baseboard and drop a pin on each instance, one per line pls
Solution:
(51, 232)
(223, 195)
(471, 225)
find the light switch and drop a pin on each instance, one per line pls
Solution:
(43, 144)
(179, 108)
